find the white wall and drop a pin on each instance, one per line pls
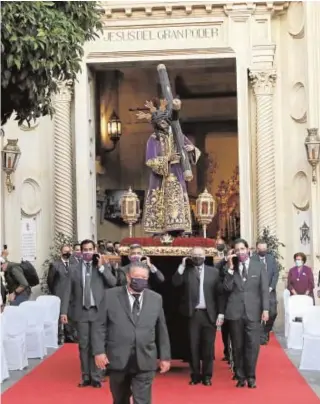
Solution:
(33, 194)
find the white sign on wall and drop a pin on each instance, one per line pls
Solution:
(28, 239)
(155, 38)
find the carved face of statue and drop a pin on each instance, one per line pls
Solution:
(163, 125)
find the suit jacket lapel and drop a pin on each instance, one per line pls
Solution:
(124, 300)
(238, 279)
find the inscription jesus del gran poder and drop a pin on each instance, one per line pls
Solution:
(159, 34)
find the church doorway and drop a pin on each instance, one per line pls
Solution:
(208, 91)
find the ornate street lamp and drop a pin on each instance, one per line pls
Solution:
(312, 144)
(10, 158)
(130, 208)
(114, 130)
(205, 210)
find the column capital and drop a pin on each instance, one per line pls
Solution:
(263, 81)
(64, 93)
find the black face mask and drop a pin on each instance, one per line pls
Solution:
(110, 249)
(66, 256)
(221, 247)
(102, 249)
(138, 285)
(262, 253)
(197, 261)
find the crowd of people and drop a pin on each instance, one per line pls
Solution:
(119, 322)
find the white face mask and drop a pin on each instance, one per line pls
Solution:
(299, 263)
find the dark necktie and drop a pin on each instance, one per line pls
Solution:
(87, 287)
(263, 260)
(244, 272)
(66, 264)
(136, 307)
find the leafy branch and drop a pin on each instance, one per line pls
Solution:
(41, 42)
(274, 245)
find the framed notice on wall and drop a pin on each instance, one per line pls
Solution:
(28, 239)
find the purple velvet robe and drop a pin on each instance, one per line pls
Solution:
(301, 280)
(167, 203)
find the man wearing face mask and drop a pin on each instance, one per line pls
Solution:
(58, 273)
(76, 253)
(272, 269)
(85, 288)
(246, 281)
(136, 255)
(135, 326)
(203, 304)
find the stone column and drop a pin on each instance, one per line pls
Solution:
(63, 190)
(263, 83)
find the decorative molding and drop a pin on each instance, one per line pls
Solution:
(29, 127)
(300, 191)
(263, 81)
(118, 10)
(296, 19)
(63, 189)
(298, 103)
(64, 93)
(169, 251)
(30, 202)
(96, 57)
(263, 56)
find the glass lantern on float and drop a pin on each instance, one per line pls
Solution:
(312, 144)
(10, 157)
(130, 208)
(205, 210)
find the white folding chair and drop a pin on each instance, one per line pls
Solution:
(286, 296)
(4, 372)
(297, 306)
(51, 305)
(34, 312)
(310, 357)
(14, 340)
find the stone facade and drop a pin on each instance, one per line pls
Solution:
(277, 59)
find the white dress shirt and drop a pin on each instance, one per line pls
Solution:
(202, 300)
(132, 299)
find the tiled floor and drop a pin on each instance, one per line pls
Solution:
(313, 378)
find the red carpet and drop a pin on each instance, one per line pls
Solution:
(55, 380)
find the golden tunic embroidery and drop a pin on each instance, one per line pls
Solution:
(166, 208)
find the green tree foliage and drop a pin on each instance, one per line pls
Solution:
(274, 245)
(41, 41)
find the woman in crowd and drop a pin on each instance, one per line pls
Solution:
(300, 277)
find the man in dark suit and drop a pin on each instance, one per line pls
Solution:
(246, 282)
(133, 321)
(136, 255)
(58, 273)
(203, 304)
(85, 289)
(272, 269)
